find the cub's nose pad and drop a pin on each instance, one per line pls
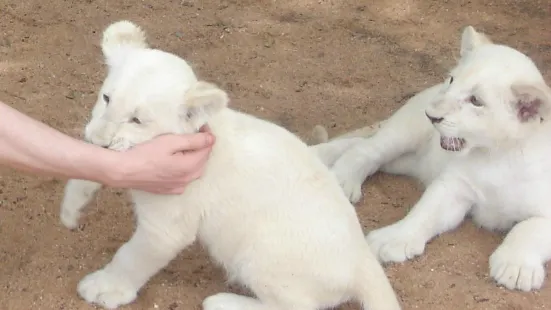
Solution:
(434, 120)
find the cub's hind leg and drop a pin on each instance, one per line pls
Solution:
(366, 157)
(385, 144)
(320, 134)
(329, 152)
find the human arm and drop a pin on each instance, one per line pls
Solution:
(156, 166)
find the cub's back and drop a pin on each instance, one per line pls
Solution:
(264, 182)
(261, 150)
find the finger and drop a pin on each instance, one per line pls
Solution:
(191, 175)
(182, 143)
(194, 175)
(195, 159)
(177, 190)
(170, 190)
(205, 128)
(151, 190)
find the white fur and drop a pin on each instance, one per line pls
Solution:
(500, 177)
(267, 209)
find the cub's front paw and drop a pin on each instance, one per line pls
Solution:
(106, 290)
(516, 269)
(77, 195)
(396, 243)
(69, 217)
(352, 188)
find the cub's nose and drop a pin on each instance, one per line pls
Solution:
(434, 120)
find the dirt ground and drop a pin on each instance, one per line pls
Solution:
(296, 62)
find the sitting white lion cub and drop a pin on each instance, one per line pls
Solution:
(267, 209)
(486, 154)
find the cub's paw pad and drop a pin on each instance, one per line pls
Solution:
(69, 218)
(516, 270)
(106, 290)
(395, 243)
(352, 190)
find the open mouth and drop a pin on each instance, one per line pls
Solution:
(452, 144)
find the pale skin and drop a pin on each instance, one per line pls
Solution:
(164, 165)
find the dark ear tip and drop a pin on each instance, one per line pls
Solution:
(532, 101)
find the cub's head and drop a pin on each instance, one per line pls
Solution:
(147, 93)
(494, 97)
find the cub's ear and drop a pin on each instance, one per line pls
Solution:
(201, 102)
(471, 39)
(531, 101)
(119, 38)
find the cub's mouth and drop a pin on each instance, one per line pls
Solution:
(452, 144)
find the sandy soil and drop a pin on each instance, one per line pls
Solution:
(296, 62)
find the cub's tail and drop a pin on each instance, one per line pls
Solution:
(320, 134)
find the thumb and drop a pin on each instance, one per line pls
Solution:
(189, 142)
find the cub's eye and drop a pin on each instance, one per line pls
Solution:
(475, 101)
(135, 120)
(106, 98)
(451, 79)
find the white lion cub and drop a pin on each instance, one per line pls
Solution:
(267, 209)
(481, 142)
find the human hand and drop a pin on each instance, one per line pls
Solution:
(166, 164)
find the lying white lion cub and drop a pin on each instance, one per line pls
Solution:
(487, 154)
(267, 209)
